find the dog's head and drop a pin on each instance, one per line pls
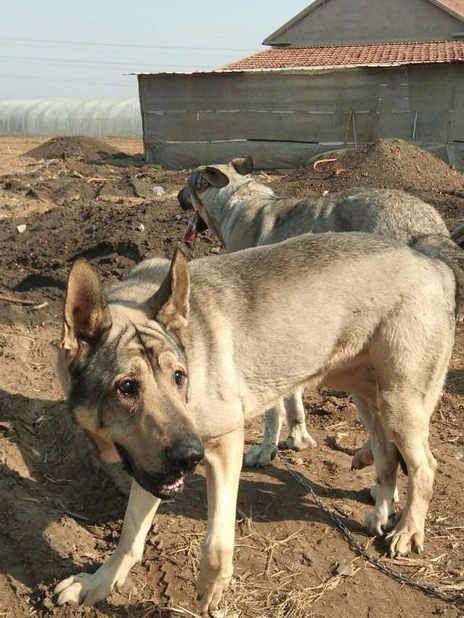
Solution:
(127, 376)
(205, 186)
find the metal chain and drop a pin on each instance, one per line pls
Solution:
(455, 597)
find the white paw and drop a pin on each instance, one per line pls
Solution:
(374, 491)
(376, 522)
(84, 588)
(299, 439)
(259, 456)
(210, 584)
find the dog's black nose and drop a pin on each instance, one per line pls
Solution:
(185, 454)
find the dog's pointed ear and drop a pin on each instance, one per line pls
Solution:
(170, 305)
(243, 166)
(211, 176)
(86, 313)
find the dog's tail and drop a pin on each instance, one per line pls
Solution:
(441, 247)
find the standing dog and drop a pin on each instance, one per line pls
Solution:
(243, 212)
(167, 367)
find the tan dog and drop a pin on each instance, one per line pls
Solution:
(169, 365)
(244, 212)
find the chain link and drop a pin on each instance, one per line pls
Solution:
(450, 597)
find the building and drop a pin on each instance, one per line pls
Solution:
(340, 72)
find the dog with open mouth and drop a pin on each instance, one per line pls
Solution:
(243, 212)
(164, 369)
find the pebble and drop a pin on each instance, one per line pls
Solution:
(158, 190)
(21, 228)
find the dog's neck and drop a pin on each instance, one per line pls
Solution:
(241, 200)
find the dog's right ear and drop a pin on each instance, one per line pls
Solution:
(243, 166)
(86, 313)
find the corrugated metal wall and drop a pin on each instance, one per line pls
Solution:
(285, 117)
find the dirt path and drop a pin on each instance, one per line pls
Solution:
(60, 512)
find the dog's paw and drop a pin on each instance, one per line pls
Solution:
(404, 539)
(376, 523)
(83, 589)
(259, 456)
(210, 589)
(299, 439)
(374, 491)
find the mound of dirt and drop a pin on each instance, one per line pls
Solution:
(77, 147)
(387, 163)
(113, 217)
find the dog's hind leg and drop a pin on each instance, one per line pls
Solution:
(223, 462)
(298, 436)
(365, 456)
(262, 454)
(411, 438)
(411, 363)
(89, 588)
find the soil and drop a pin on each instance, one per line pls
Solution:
(61, 512)
(75, 147)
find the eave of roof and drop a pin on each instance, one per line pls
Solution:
(453, 7)
(294, 20)
(344, 56)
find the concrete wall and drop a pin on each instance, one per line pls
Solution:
(283, 118)
(342, 22)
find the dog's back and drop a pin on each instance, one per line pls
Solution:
(387, 212)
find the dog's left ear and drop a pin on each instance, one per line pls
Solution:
(170, 304)
(243, 166)
(213, 177)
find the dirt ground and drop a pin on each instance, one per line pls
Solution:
(60, 512)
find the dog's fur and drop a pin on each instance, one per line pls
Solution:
(244, 212)
(243, 330)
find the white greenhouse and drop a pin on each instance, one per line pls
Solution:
(70, 117)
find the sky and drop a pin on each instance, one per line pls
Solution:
(83, 49)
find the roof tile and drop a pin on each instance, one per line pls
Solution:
(384, 54)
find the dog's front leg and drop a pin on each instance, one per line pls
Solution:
(223, 461)
(88, 588)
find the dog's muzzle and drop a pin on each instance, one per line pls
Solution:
(182, 458)
(195, 227)
(183, 197)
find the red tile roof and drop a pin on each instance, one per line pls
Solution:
(382, 54)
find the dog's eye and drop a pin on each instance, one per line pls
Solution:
(204, 183)
(128, 387)
(179, 378)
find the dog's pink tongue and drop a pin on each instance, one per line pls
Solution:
(191, 234)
